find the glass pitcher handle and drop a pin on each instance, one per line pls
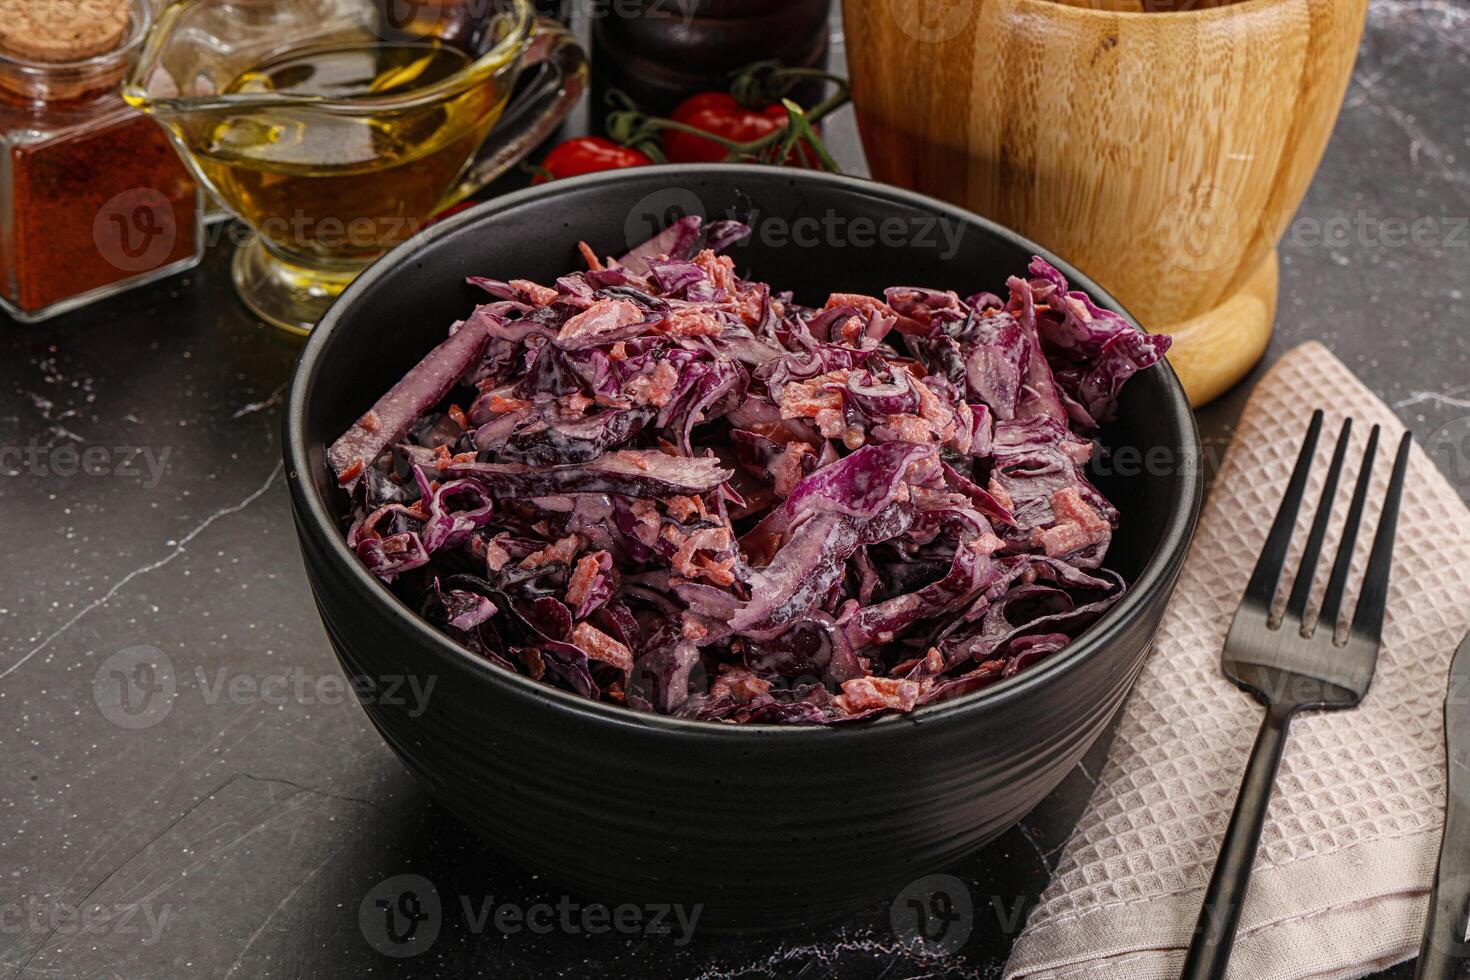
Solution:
(561, 67)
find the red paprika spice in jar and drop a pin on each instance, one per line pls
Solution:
(93, 197)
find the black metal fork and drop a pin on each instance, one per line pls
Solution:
(1291, 664)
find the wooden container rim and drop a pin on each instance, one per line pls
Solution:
(1085, 11)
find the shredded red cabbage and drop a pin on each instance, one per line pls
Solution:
(660, 485)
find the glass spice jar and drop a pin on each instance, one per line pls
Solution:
(93, 198)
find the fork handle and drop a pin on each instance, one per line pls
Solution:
(1443, 950)
(1214, 934)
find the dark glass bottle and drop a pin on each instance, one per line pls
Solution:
(661, 51)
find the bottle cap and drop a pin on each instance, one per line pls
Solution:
(61, 30)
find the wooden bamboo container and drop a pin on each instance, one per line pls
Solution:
(1162, 151)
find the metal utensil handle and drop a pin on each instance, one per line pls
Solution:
(536, 112)
(1214, 934)
(1443, 950)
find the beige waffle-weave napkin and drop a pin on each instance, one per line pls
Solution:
(1348, 853)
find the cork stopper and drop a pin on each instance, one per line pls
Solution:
(61, 30)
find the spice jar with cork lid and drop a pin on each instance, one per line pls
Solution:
(93, 198)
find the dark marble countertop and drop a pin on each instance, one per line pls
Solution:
(240, 831)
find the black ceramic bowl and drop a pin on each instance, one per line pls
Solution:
(765, 825)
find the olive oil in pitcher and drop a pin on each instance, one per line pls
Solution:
(338, 185)
(333, 136)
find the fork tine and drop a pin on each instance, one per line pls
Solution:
(1337, 584)
(1262, 586)
(1368, 617)
(1296, 606)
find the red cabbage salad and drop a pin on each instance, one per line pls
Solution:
(657, 484)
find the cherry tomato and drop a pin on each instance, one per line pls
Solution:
(720, 114)
(587, 155)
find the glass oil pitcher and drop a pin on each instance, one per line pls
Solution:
(336, 129)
